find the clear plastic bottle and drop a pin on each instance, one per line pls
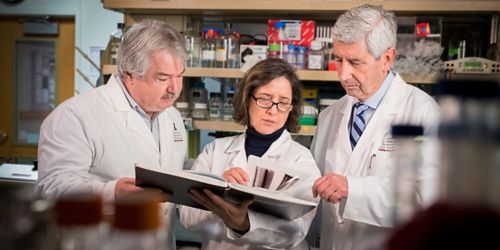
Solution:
(301, 57)
(316, 56)
(278, 41)
(215, 106)
(228, 108)
(79, 219)
(291, 55)
(193, 48)
(138, 223)
(114, 42)
(208, 49)
(407, 165)
(233, 47)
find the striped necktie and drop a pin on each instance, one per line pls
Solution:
(358, 123)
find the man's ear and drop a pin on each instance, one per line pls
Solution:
(388, 58)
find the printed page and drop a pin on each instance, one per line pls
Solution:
(270, 175)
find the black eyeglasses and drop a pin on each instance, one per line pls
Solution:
(268, 103)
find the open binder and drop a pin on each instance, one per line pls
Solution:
(178, 183)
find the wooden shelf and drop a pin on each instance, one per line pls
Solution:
(317, 7)
(229, 126)
(305, 75)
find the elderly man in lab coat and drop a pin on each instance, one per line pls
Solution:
(91, 142)
(353, 142)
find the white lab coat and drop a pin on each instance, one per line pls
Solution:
(364, 218)
(91, 140)
(265, 230)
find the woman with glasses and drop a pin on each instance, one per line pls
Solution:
(269, 103)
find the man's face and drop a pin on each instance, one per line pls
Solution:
(160, 85)
(360, 73)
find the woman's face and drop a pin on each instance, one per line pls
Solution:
(269, 120)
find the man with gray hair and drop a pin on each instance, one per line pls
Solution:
(353, 143)
(91, 142)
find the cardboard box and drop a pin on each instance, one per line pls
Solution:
(299, 32)
(259, 51)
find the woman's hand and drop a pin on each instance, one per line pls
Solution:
(236, 175)
(234, 216)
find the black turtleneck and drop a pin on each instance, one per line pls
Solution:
(257, 144)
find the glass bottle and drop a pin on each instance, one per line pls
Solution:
(407, 165)
(278, 41)
(193, 48)
(316, 56)
(208, 49)
(79, 219)
(138, 223)
(114, 42)
(233, 47)
(228, 108)
(215, 106)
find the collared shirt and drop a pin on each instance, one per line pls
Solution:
(375, 99)
(152, 122)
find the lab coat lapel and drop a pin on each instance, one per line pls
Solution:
(237, 147)
(133, 121)
(166, 136)
(340, 146)
(382, 118)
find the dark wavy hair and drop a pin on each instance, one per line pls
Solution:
(261, 74)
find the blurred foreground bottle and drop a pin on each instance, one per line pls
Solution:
(79, 218)
(469, 143)
(138, 223)
(467, 214)
(27, 221)
(407, 163)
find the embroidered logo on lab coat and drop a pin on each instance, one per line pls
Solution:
(387, 145)
(178, 136)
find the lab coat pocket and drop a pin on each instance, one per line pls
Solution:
(381, 158)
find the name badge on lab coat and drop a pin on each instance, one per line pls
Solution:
(178, 135)
(387, 145)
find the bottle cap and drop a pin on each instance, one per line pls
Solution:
(138, 211)
(79, 209)
(316, 45)
(182, 105)
(200, 105)
(407, 130)
(214, 94)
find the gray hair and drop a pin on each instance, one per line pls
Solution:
(370, 22)
(142, 40)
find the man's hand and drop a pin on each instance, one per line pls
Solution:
(331, 187)
(125, 186)
(234, 216)
(236, 175)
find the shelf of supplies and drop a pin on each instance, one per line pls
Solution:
(305, 75)
(230, 126)
(217, 7)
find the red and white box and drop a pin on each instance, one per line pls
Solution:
(299, 32)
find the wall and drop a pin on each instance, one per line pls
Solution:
(93, 26)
